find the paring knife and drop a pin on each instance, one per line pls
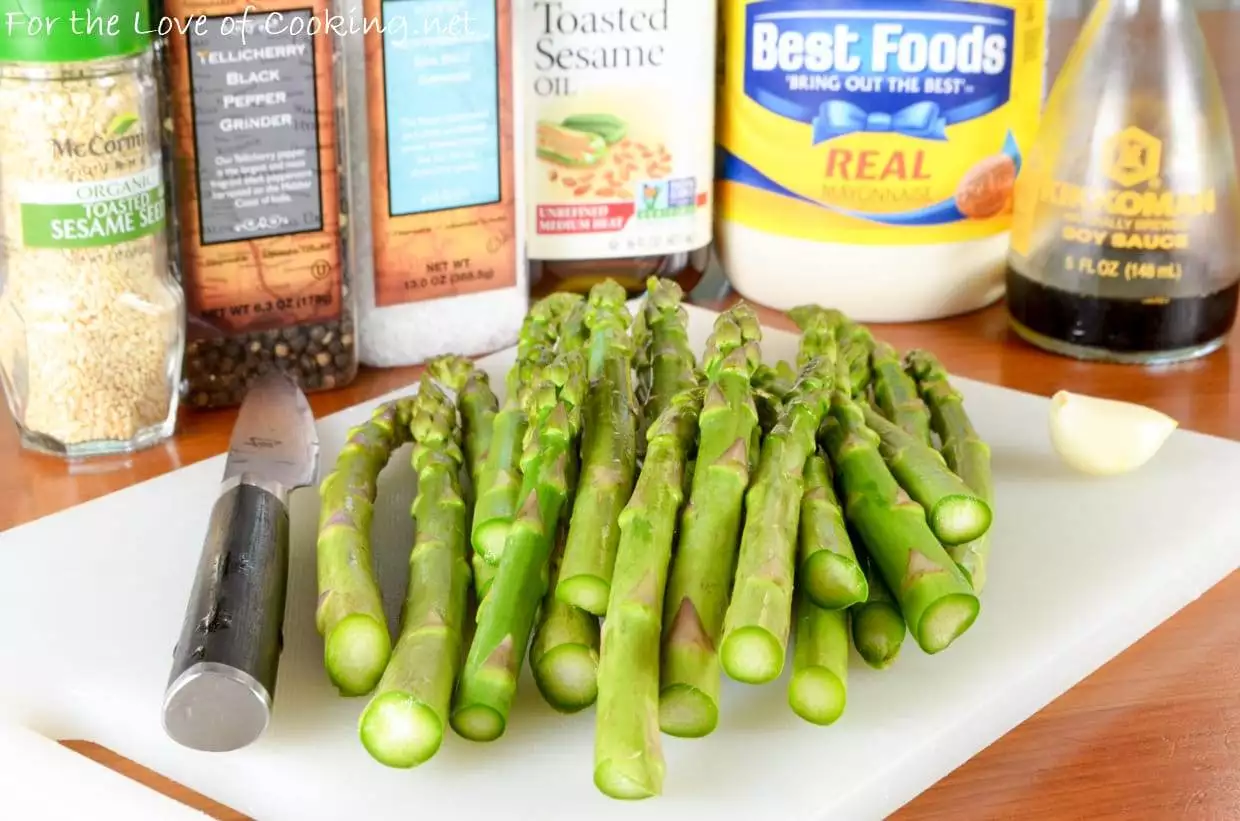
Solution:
(219, 694)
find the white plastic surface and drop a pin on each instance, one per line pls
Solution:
(1081, 568)
(43, 781)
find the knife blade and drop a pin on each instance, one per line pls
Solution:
(220, 690)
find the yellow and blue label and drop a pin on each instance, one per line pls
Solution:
(877, 122)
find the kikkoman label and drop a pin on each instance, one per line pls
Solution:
(1128, 227)
(893, 122)
(620, 101)
(92, 214)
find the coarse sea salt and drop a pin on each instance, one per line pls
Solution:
(409, 333)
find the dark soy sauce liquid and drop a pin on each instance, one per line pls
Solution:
(1123, 326)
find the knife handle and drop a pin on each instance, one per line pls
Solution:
(226, 659)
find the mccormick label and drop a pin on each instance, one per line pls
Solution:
(620, 101)
(252, 101)
(901, 121)
(439, 87)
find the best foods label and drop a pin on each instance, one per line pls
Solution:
(894, 122)
(620, 99)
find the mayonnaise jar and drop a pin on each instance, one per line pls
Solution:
(868, 150)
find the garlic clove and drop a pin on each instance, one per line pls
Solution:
(1106, 437)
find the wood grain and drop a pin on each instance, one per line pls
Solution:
(1152, 735)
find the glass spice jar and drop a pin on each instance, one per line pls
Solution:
(261, 195)
(91, 319)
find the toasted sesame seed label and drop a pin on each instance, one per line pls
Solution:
(91, 214)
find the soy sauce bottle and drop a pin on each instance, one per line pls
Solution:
(1125, 232)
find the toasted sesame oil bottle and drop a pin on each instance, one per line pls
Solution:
(1125, 236)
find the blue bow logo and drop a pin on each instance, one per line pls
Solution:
(836, 118)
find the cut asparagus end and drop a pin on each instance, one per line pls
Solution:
(478, 722)
(590, 593)
(355, 653)
(400, 731)
(833, 581)
(489, 539)
(687, 712)
(945, 620)
(817, 695)
(752, 655)
(878, 631)
(960, 519)
(629, 780)
(567, 677)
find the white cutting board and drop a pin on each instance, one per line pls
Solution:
(1082, 567)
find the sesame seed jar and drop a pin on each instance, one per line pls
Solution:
(91, 316)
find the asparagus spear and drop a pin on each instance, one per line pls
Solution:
(777, 380)
(895, 393)
(956, 514)
(759, 618)
(856, 344)
(404, 722)
(608, 455)
(496, 493)
(564, 655)
(506, 616)
(478, 406)
(628, 754)
(666, 365)
(702, 569)
(877, 625)
(934, 595)
(829, 572)
(349, 616)
(965, 452)
(818, 689)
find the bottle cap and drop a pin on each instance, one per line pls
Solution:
(71, 31)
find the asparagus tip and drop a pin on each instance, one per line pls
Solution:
(400, 731)
(945, 620)
(355, 653)
(686, 712)
(752, 655)
(817, 695)
(567, 677)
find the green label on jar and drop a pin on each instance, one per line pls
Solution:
(92, 214)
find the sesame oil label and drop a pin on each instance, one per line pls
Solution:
(620, 100)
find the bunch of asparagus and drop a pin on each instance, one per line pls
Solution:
(710, 513)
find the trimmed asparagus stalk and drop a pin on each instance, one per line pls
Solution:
(499, 486)
(934, 595)
(488, 681)
(818, 689)
(564, 654)
(956, 514)
(895, 393)
(349, 616)
(828, 571)
(877, 625)
(628, 753)
(964, 451)
(403, 725)
(759, 617)
(701, 573)
(856, 344)
(608, 455)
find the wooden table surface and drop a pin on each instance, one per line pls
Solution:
(1148, 736)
